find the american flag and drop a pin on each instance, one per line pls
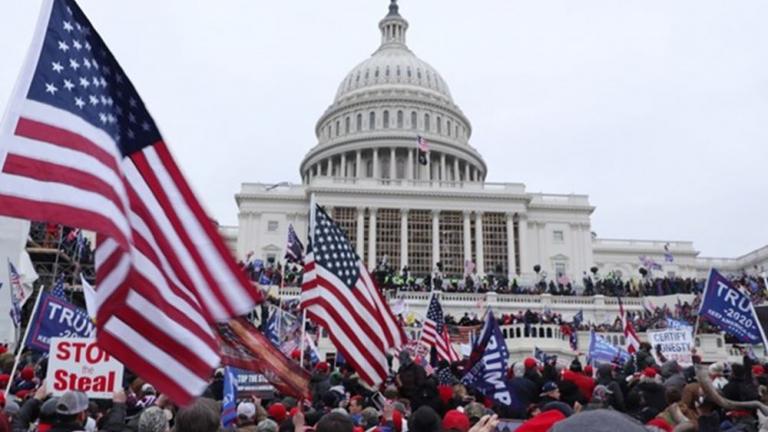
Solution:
(294, 250)
(78, 147)
(435, 332)
(58, 288)
(421, 144)
(339, 294)
(19, 294)
(632, 342)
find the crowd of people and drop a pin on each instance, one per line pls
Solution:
(647, 393)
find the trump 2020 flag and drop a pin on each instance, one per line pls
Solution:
(78, 147)
(229, 403)
(730, 309)
(602, 351)
(488, 365)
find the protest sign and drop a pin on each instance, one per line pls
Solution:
(674, 344)
(730, 309)
(57, 318)
(253, 384)
(79, 364)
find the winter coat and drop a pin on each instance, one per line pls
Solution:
(604, 378)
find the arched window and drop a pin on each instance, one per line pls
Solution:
(371, 120)
(549, 332)
(457, 131)
(376, 74)
(386, 72)
(413, 120)
(448, 127)
(386, 119)
(400, 119)
(409, 72)
(359, 126)
(347, 122)
(439, 125)
(426, 122)
(338, 123)
(328, 132)
(398, 71)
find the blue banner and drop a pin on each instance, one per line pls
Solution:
(602, 351)
(229, 403)
(488, 368)
(57, 318)
(677, 324)
(731, 310)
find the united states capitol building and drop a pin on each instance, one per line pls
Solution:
(365, 170)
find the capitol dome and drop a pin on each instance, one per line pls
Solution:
(381, 106)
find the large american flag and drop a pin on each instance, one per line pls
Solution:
(78, 147)
(339, 294)
(632, 342)
(435, 332)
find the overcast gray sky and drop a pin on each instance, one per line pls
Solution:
(657, 109)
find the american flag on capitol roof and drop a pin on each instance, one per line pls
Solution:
(339, 294)
(78, 147)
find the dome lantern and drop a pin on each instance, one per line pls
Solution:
(393, 28)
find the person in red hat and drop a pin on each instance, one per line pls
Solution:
(455, 421)
(25, 381)
(277, 412)
(532, 372)
(320, 381)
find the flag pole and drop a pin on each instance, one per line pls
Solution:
(20, 343)
(312, 214)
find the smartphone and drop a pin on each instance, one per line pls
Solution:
(378, 400)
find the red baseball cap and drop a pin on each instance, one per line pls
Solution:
(455, 419)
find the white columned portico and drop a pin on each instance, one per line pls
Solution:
(358, 164)
(479, 256)
(376, 169)
(360, 228)
(343, 168)
(522, 231)
(435, 237)
(403, 238)
(372, 237)
(511, 259)
(467, 236)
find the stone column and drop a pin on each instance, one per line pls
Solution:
(479, 255)
(343, 170)
(372, 238)
(409, 166)
(376, 169)
(467, 236)
(511, 245)
(328, 167)
(443, 176)
(392, 170)
(358, 164)
(522, 226)
(541, 240)
(403, 238)
(466, 171)
(455, 169)
(359, 246)
(435, 236)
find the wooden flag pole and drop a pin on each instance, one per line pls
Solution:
(20, 343)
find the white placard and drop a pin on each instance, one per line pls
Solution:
(676, 344)
(79, 364)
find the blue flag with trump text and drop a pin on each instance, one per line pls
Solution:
(488, 369)
(229, 403)
(57, 318)
(730, 309)
(602, 351)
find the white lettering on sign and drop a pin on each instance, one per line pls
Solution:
(80, 364)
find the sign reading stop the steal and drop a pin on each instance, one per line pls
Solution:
(79, 364)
